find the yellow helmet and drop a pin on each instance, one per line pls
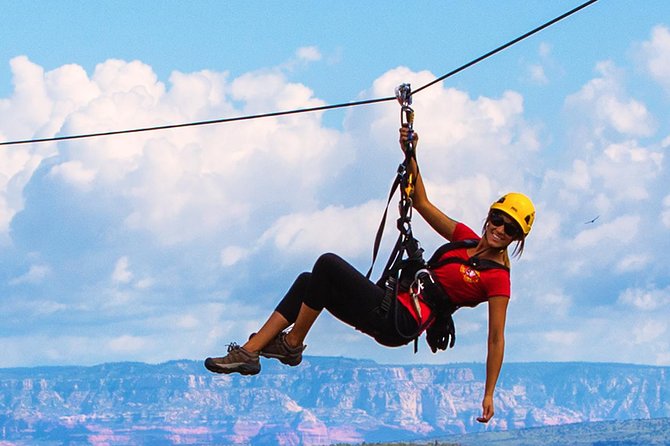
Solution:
(519, 208)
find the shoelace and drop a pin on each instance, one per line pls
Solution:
(233, 346)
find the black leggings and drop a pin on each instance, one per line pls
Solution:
(338, 287)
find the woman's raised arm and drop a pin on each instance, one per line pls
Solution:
(438, 220)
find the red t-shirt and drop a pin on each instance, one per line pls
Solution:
(465, 286)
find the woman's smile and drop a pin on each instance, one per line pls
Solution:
(497, 236)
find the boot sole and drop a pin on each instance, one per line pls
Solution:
(282, 359)
(242, 369)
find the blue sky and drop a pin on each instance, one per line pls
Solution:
(171, 244)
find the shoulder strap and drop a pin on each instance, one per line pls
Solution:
(437, 255)
(437, 259)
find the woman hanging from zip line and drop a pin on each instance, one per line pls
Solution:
(350, 296)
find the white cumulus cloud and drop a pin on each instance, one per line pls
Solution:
(646, 299)
(621, 230)
(126, 344)
(665, 214)
(347, 231)
(309, 53)
(122, 273)
(602, 104)
(35, 274)
(655, 55)
(233, 254)
(213, 217)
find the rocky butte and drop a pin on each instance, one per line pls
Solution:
(323, 401)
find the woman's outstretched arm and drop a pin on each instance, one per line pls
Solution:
(496, 351)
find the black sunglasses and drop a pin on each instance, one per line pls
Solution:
(511, 228)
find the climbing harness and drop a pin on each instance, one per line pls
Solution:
(406, 270)
(406, 257)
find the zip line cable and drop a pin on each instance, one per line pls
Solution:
(507, 45)
(311, 109)
(198, 123)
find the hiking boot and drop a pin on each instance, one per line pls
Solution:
(278, 348)
(238, 360)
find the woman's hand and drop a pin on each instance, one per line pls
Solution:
(404, 135)
(487, 409)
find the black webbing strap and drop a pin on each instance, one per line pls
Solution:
(405, 240)
(380, 229)
(437, 261)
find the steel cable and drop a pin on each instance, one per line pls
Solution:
(311, 109)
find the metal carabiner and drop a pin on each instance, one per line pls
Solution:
(403, 94)
(407, 119)
(415, 290)
(422, 274)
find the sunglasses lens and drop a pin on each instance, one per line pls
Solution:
(496, 220)
(510, 228)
